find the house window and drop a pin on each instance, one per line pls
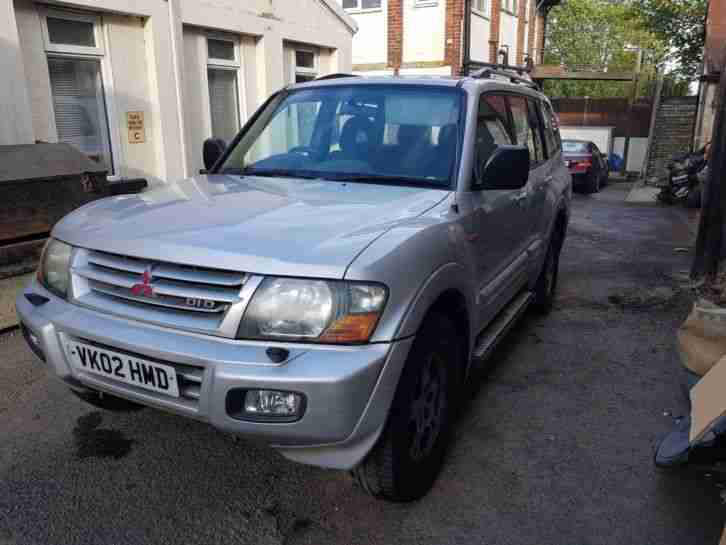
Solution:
(223, 66)
(480, 6)
(305, 65)
(75, 53)
(510, 6)
(361, 4)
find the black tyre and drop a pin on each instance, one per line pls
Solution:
(592, 183)
(108, 402)
(546, 287)
(408, 457)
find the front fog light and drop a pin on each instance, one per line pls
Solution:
(272, 403)
(265, 405)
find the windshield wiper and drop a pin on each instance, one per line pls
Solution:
(386, 178)
(278, 173)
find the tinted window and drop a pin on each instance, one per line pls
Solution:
(535, 123)
(492, 127)
(573, 146)
(526, 128)
(552, 133)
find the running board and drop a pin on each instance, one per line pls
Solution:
(495, 332)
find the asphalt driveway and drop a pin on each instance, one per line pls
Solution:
(554, 445)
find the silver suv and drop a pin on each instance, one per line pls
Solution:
(330, 283)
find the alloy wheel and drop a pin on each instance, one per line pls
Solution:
(428, 408)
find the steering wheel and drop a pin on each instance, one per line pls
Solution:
(303, 150)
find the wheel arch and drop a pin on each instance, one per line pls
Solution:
(446, 292)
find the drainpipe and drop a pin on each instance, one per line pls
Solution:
(466, 54)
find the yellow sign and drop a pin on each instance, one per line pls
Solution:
(135, 124)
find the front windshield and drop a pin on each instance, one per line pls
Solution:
(367, 133)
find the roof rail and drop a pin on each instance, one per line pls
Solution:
(487, 73)
(336, 75)
(515, 74)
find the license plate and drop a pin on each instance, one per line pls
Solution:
(146, 374)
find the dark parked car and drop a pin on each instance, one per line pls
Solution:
(588, 166)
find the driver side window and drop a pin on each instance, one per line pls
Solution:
(492, 128)
(291, 127)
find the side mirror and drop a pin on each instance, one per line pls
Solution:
(211, 151)
(507, 168)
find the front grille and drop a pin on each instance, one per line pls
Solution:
(184, 297)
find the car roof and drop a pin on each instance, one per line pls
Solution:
(434, 81)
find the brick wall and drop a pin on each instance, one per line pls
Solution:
(395, 34)
(715, 36)
(454, 34)
(496, 15)
(673, 133)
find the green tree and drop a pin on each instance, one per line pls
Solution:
(598, 35)
(679, 24)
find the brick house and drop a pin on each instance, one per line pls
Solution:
(713, 59)
(430, 36)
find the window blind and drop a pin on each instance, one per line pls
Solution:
(223, 103)
(80, 115)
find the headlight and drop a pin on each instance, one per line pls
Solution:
(54, 268)
(296, 309)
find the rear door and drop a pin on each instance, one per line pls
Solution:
(558, 175)
(528, 126)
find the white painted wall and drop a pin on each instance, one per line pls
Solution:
(480, 32)
(508, 34)
(636, 151)
(16, 126)
(602, 136)
(424, 31)
(153, 64)
(370, 43)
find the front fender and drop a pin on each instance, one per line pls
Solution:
(418, 261)
(451, 276)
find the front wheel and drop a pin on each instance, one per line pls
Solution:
(408, 457)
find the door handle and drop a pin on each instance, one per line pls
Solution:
(521, 198)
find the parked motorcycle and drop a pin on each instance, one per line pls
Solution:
(687, 173)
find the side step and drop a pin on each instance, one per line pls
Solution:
(495, 332)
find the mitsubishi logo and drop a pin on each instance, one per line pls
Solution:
(144, 288)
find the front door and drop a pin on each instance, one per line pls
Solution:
(499, 218)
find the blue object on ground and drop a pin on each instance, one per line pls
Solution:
(615, 161)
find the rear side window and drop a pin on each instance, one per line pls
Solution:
(492, 127)
(551, 130)
(527, 128)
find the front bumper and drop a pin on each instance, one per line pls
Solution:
(348, 389)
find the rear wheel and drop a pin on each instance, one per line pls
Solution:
(107, 402)
(408, 457)
(544, 291)
(694, 198)
(592, 183)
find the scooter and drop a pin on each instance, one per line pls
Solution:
(685, 179)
